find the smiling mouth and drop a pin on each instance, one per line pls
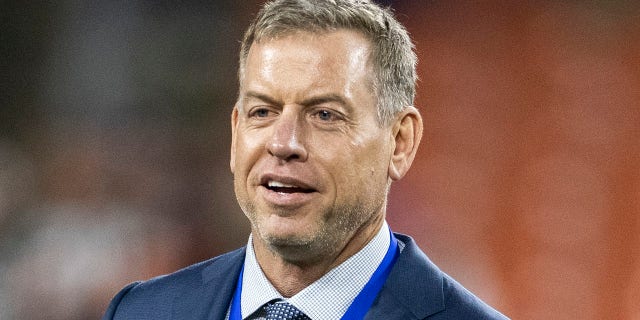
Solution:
(280, 187)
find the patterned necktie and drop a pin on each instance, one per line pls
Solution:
(282, 310)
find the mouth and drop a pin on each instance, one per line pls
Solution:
(287, 188)
(287, 192)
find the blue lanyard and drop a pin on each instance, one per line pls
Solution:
(363, 301)
(235, 313)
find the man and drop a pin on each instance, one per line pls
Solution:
(323, 124)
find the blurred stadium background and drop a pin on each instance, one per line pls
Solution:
(114, 142)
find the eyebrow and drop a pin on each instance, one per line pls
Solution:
(325, 98)
(312, 101)
(262, 97)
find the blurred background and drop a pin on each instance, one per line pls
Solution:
(114, 138)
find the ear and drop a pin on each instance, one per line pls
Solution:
(407, 132)
(234, 130)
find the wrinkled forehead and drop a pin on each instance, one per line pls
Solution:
(303, 67)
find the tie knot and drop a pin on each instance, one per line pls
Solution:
(282, 310)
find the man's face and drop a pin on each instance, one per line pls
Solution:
(310, 160)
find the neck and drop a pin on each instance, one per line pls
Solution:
(291, 277)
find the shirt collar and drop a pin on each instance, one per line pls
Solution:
(328, 297)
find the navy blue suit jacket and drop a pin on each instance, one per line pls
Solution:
(415, 289)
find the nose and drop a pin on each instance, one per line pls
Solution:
(287, 140)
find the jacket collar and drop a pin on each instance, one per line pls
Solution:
(414, 289)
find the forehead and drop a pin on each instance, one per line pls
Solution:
(310, 58)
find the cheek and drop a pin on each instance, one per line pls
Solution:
(361, 168)
(374, 153)
(247, 150)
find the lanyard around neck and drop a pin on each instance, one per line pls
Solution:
(363, 301)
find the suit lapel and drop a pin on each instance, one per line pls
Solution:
(414, 289)
(209, 297)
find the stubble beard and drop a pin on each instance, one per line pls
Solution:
(333, 229)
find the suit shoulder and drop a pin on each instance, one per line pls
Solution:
(430, 293)
(464, 304)
(154, 298)
(186, 276)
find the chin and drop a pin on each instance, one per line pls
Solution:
(287, 241)
(296, 245)
(289, 237)
(294, 229)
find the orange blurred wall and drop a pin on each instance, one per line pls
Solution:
(527, 184)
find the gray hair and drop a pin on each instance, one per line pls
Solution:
(394, 59)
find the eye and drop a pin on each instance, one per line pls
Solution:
(325, 115)
(260, 113)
